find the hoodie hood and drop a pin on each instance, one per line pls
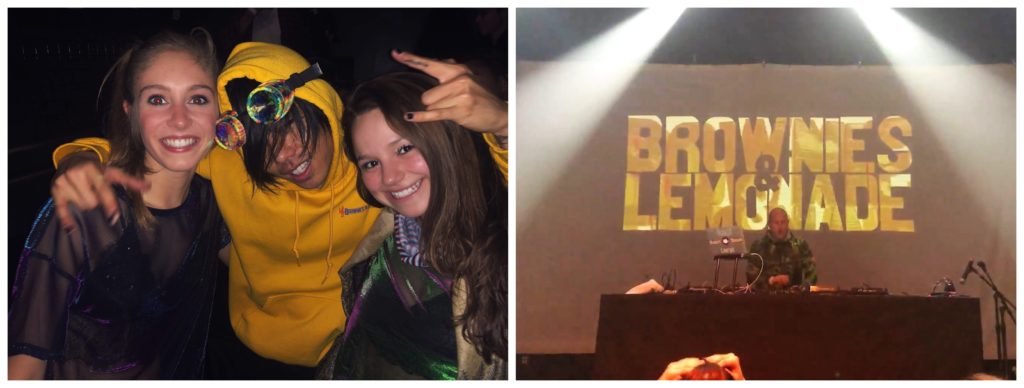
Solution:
(263, 62)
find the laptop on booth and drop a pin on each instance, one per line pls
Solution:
(727, 242)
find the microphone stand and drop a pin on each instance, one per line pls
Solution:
(1003, 307)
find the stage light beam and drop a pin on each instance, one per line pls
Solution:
(969, 107)
(560, 103)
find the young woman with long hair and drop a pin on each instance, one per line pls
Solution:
(431, 300)
(130, 297)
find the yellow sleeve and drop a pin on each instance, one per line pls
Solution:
(101, 147)
(205, 166)
(98, 145)
(499, 154)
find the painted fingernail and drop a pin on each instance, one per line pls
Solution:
(408, 116)
(114, 218)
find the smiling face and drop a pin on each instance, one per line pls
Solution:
(301, 166)
(393, 169)
(175, 107)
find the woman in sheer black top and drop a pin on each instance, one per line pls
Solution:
(130, 297)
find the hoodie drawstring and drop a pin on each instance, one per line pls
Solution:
(295, 244)
(330, 235)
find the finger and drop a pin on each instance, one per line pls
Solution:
(690, 362)
(118, 176)
(728, 356)
(437, 69)
(60, 206)
(462, 100)
(105, 192)
(66, 221)
(675, 370)
(732, 375)
(81, 189)
(63, 192)
(432, 115)
(445, 91)
(670, 373)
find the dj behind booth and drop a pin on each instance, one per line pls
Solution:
(783, 325)
(776, 261)
(785, 259)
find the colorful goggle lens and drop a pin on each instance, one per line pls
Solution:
(270, 101)
(230, 133)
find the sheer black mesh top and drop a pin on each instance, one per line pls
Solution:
(121, 301)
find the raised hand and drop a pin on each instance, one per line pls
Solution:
(458, 98)
(87, 185)
(680, 370)
(729, 362)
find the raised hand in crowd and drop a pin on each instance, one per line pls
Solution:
(713, 367)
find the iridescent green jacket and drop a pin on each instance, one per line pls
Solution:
(791, 256)
(406, 332)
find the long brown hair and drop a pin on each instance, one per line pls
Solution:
(127, 150)
(464, 232)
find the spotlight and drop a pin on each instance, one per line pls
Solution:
(563, 101)
(968, 107)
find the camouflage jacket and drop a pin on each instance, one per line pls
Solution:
(791, 256)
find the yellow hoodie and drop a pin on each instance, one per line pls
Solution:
(287, 247)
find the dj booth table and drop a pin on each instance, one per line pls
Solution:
(792, 336)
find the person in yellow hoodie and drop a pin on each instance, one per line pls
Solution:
(288, 196)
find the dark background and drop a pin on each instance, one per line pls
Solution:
(57, 60)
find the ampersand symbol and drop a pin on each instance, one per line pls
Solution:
(763, 178)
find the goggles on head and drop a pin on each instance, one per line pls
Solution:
(266, 104)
